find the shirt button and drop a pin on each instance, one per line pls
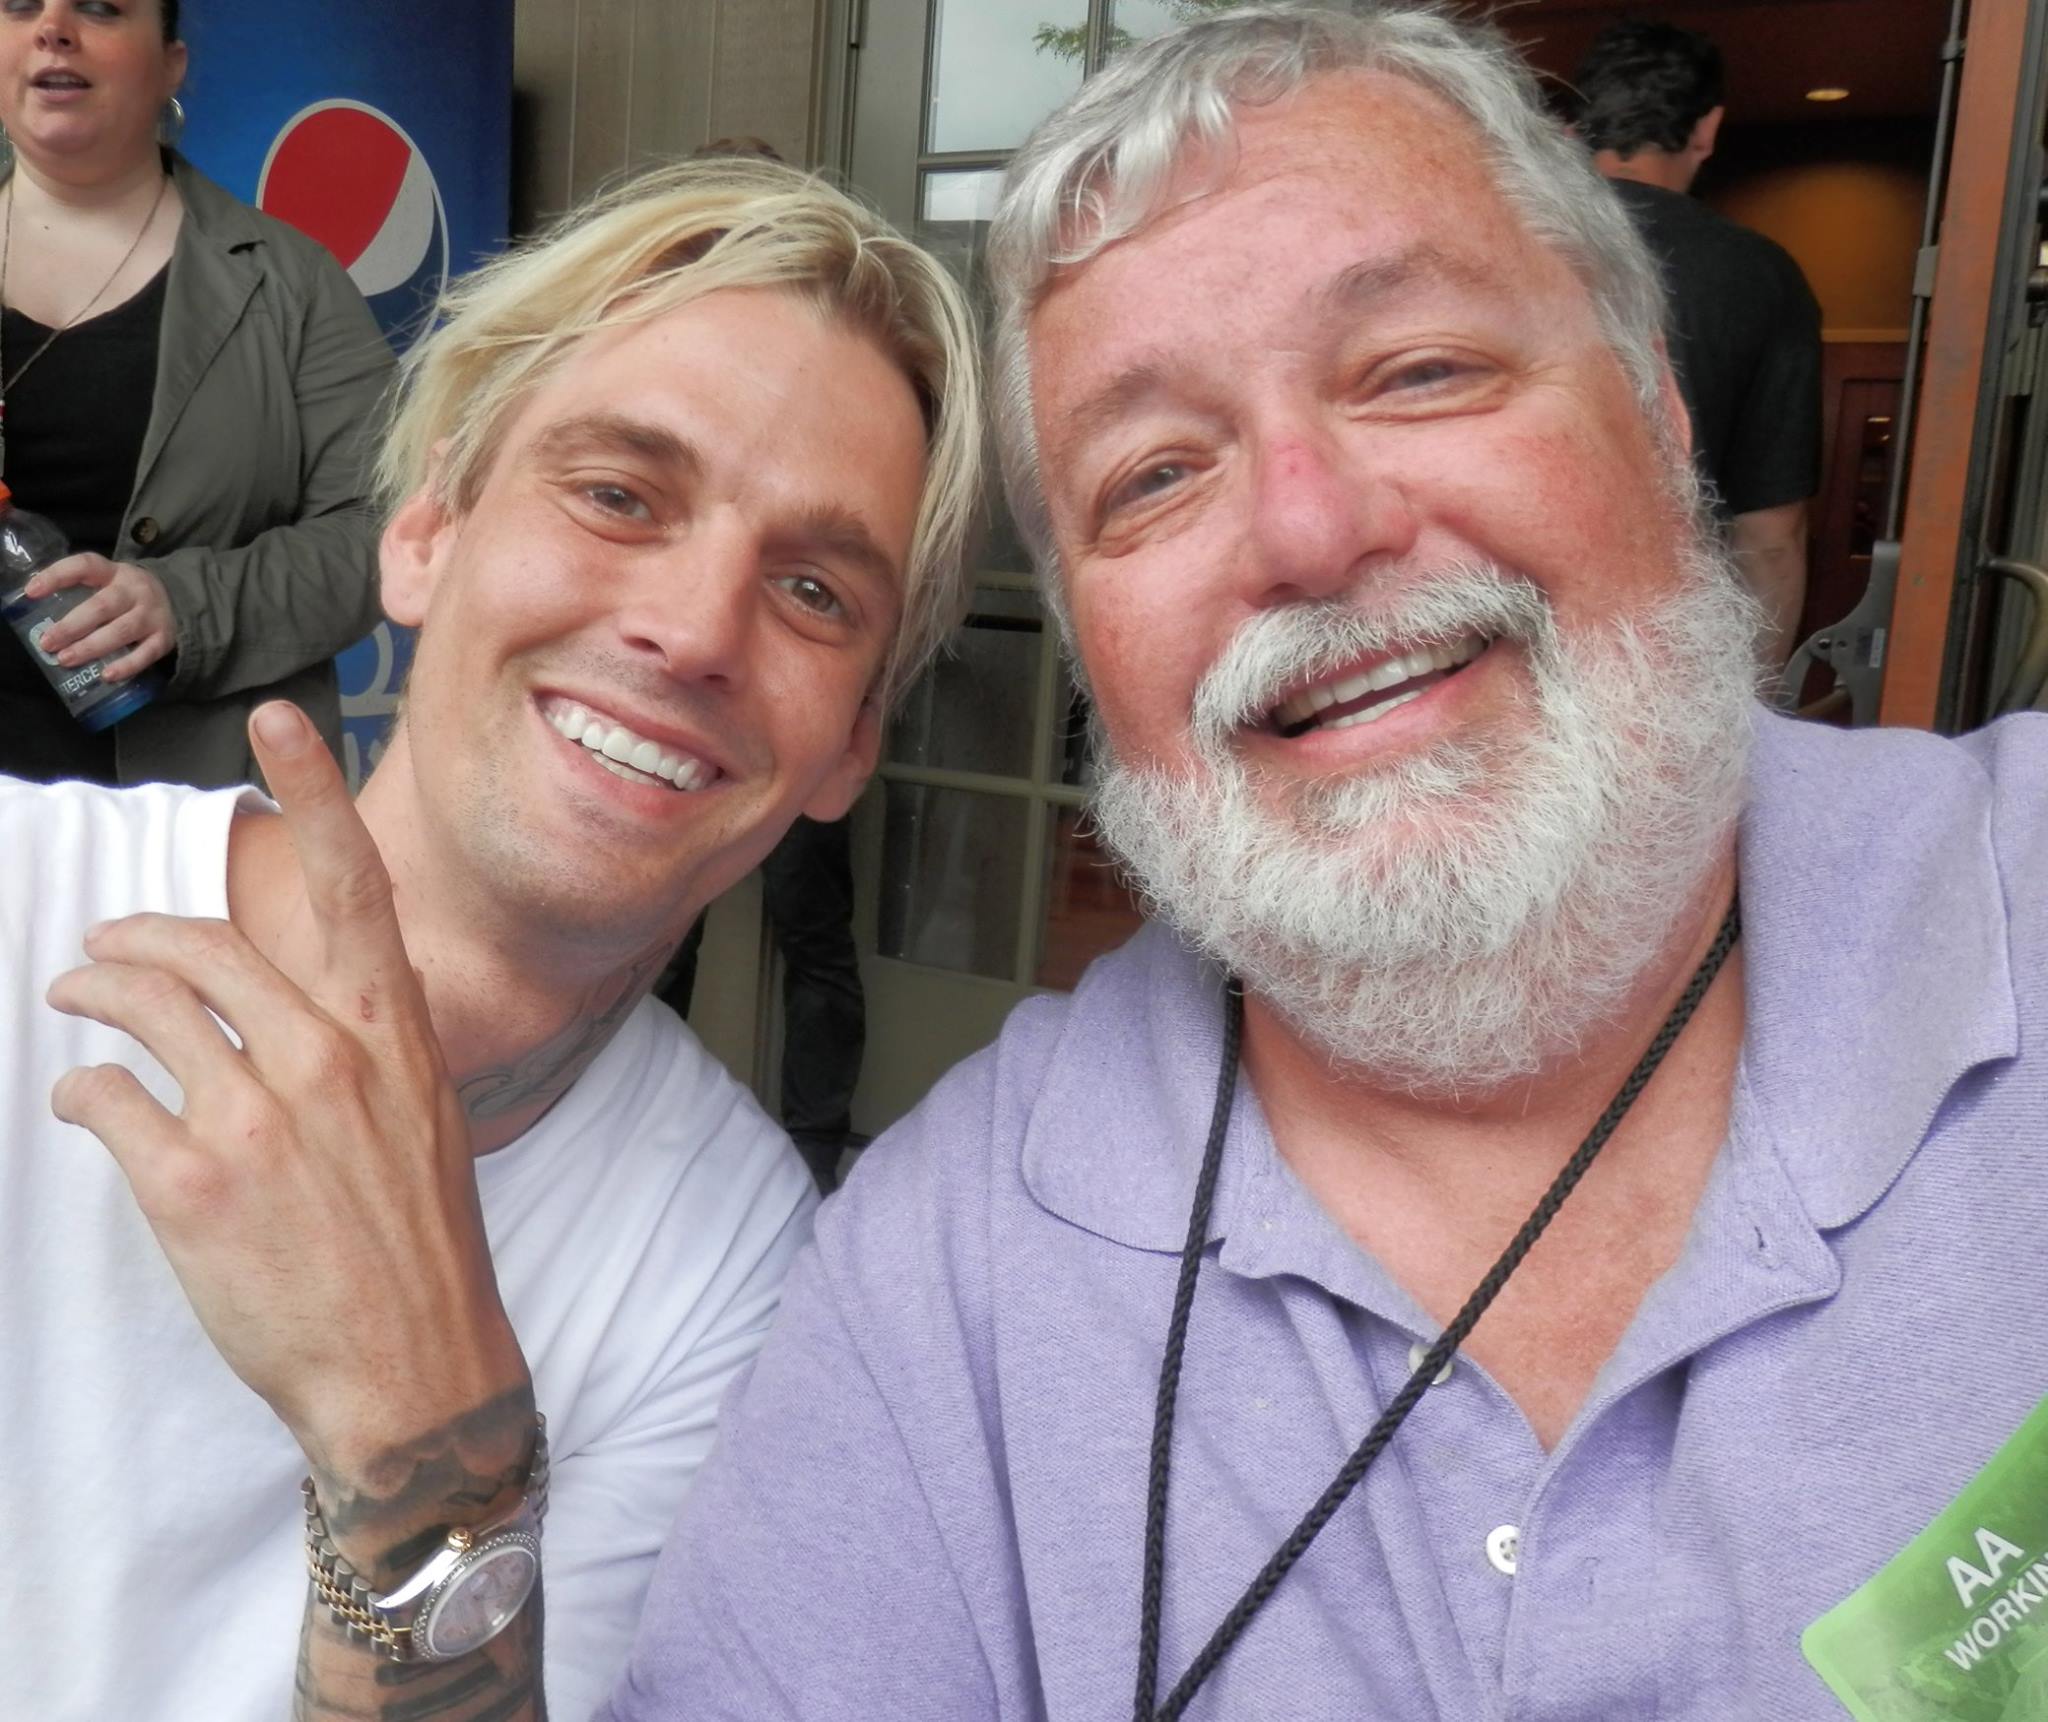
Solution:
(1418, 1351)
(1503, 1545)
(147, 531)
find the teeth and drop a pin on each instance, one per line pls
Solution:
(1420, 662)
(623, 753)
(1372, 712)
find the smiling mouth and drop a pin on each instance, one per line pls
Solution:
(624, 753)
(1344, 701)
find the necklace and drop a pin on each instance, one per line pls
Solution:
(6, 252)
(1382, 1431)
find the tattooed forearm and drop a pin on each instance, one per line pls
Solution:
(339, 1681)
(397, 1505)
(387, 1516)
(542, 1075)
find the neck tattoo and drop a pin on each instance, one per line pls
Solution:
(543, 1075)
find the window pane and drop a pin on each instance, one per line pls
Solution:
(999, 67)
(972, 710)
(1073, 760)
(1088, 909)
(1139, 20)
(962, 199)
(954, 208)
(952, 878)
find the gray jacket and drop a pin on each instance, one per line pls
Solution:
(250, 502)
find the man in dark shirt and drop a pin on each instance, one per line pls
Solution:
(1744, 330)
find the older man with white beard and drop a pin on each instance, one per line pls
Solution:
(1455, 1265)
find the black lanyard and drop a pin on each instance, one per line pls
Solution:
(1433, 1360)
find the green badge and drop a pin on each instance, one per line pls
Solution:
(1955, 1628)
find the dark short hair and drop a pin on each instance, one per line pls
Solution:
(170, 12)
(740, 147)
(1645, 84)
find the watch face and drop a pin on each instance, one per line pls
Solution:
(478, 1600)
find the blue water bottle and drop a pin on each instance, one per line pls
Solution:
(28, 545)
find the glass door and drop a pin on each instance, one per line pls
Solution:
(977, 878)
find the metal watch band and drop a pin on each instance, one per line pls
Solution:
(349, 1597)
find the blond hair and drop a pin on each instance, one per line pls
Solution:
(657, 242)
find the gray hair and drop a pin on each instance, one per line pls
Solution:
(1098, 169)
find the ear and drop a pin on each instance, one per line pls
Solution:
(834, 798)
(1706, 132)
(412, 553)
(176, 59)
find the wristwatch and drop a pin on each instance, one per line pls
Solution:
(467, 1592)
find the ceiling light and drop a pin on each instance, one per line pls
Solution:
(1828, 93)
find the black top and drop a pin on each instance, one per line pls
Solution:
(1744, 333)
(74, 427)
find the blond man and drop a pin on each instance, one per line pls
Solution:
(677, 498)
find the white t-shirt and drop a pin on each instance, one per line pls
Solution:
(151, 1555)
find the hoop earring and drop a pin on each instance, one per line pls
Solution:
(170, 127)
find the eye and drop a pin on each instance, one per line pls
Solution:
(616, 499)
(1425, 373)
(1147, 482)
(811, 592)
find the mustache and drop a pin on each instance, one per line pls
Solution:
(1280, 650)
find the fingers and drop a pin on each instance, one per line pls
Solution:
(110, 1102)
(150, 650)
(346, 883)
(84, 569)
(104, 610)
(156, 1008)
(156, 976)
(127, 628)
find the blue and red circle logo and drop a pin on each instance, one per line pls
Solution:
(347, 174)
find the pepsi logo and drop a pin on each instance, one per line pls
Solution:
(347, 174)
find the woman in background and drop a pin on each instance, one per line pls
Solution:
(188, 388)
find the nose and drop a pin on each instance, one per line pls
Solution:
(693, 613)
(1319, 517)
(56, 29)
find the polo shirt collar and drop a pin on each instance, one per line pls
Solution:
(1876, 973)
(1114, 1143)
(1876, 951)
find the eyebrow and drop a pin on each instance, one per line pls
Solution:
(1366, 284)
(838, 532)
(619, 433)
(1348, 293)
(1109, 403)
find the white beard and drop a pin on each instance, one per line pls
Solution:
(1458, 919)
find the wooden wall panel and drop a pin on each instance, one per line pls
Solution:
(763, 79)
(604, 93)
(543, 108)
(674, 54)
(607, 85)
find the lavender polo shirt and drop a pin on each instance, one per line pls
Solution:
(928, 1500)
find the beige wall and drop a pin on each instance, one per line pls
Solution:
(602, 86)
(1846, 201)
(1853, 226)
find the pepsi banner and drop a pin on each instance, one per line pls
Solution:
(383, 128)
